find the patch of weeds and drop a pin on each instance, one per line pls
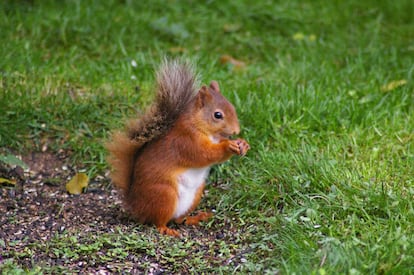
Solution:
(10, 267)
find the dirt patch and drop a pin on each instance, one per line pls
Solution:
(38, 206)
(45, 164)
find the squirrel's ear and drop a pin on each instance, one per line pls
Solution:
(214, 86)
(202, 96)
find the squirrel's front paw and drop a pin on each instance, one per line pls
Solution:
(234, 146)
(243, 146)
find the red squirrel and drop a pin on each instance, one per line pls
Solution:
(161, 161)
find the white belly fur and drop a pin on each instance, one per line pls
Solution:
(188, 183)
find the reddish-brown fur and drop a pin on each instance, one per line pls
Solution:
(148, 169)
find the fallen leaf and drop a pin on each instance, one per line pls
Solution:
(77, 183)
(237, 64)
(7, 181)
(393, 85)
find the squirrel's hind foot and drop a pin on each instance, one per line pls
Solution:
(164, 230)
(199, 217)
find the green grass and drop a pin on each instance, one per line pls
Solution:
(329, 183)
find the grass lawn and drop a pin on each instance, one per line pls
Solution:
(325, 98)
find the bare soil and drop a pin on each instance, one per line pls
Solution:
(38, 206)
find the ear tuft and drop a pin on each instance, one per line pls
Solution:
(202, 96)
(215, 86)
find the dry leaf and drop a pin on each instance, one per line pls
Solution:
(237, 64)
(7, 181)
(393, 85)
(77, 183)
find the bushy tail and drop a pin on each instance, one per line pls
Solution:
(176, 87)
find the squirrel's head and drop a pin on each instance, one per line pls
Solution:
(215, 114)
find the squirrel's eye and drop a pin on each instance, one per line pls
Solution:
(218, 115)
